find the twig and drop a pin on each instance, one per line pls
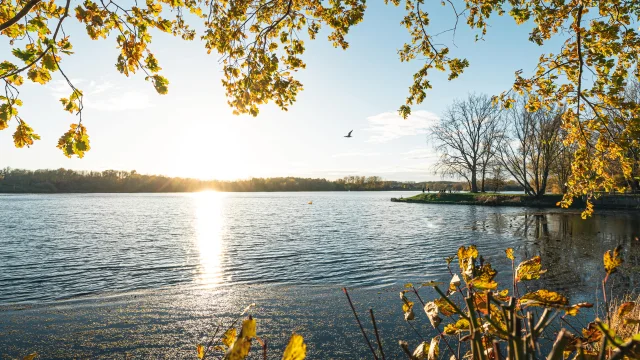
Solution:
(344, 289)
(375, 329)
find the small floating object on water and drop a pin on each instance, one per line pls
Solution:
(310, 203)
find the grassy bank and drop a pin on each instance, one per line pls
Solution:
(488, 199)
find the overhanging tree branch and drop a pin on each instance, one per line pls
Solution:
(22, 13)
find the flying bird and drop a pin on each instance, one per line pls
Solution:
(349, 134)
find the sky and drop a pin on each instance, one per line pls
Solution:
(191, 132)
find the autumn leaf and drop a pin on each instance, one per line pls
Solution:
(229, 337)
(444, 307)
(75, 141)
(509, 252)
(432, 283)
(434, 349)
(482, 284)
(625, 308)
(296, 349)
(574, 309)
(422, 351)
(466, 260)
(530, 269)
(30, 356)
(200, 350)
(239, 350)
(591, 334)
(454, 283)
(460, 325)
(502, 295)
(612, 260)
(248, 328)
(24, 135)
(408, 285)
(543, 298)
(431, 309)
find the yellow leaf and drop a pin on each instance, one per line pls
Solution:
(544, 298)
(573, 310)
(625, 308)
(408, 305)
(444, 307)
(408, 285)
(481, 284)
(612, 261)
(530, 269)
(229, 337)
(466, 258)
(296, 349)
(456, 328)
(432, 283)
(502, 295)
(249, 328)
(239, 350)
(200, 351)
(509, 253)
(30, 356)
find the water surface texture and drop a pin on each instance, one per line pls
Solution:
(206, 254)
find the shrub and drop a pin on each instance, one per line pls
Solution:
(484, 321)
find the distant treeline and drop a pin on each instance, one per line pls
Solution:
(66, 181)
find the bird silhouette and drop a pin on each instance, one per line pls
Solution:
(349, 134)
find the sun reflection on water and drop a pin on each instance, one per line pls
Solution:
(209, 226)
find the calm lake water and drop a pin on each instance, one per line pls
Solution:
(90, 275)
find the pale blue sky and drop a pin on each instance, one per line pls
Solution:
(191, 131)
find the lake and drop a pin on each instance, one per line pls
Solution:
(91, 275)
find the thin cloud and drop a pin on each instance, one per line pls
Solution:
(103, 96)
(390, 126)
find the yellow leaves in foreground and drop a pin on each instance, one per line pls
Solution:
(229, 337)
(239, 350)
(482, 284)
(612, 260)
(509, 252)
(30, 356)
(248, 328)
(444, 307)
(460, 325)
(296, 349)
(200, 349)
(530, 269)
(543, 298)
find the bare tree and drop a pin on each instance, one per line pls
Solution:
(561, 169)
(531, 146)
(465, 137)
(498, 176)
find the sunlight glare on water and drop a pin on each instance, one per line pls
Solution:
(209, 221)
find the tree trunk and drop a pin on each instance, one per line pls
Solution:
(474, 182)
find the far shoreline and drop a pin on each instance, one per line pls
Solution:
(613, 202)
